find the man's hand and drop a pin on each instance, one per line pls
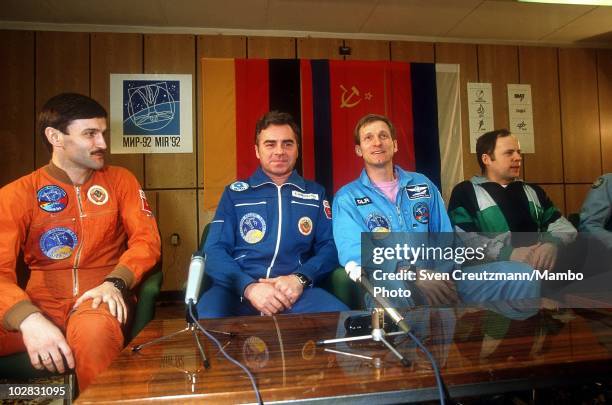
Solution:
(266, 298)
(438, 292)
(289, 285)
(45, 344)
(544, 256)
(524, 254)
(106, 292)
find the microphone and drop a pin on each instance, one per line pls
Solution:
(356, 274)
(194, 279)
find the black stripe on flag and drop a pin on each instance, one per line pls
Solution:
(322, 124)
(284, 79)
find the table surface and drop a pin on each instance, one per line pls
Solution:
(479, 351)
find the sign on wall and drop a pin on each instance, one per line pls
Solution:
(480, 107)
(520, 114)
(151, 113)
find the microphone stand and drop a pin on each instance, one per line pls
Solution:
(196, 272)
(190, 327)
(378, 335)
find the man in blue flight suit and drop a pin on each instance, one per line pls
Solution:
(270, 241)
(386, 198)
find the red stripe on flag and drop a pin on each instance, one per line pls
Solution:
(308, 154)
(252, 101)
(399, 95)
(357, 88)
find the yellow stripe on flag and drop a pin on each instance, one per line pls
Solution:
(219, 128)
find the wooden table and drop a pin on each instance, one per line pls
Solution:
(479, 352)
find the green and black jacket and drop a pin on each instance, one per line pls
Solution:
(493, 211)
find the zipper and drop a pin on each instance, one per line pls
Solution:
(75, 276)
(399, 215)
(280, 225)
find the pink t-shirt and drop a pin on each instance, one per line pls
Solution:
(388, 188)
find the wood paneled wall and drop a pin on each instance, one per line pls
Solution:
(572, 94)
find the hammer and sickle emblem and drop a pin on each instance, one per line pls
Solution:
(346, 98)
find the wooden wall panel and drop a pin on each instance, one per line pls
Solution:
(538, 67)
(579, 116)
(221, 46)
(467, 57)
(556, 194)
(362, 49)
(17, 117)
(498, 65)
(319, 48)
(604, 83)
(412, 51)
(62, 65)
(171, 54)
(574, 196)
(271, 47)
(115, 53)
(177, 215)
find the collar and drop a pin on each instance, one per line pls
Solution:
(60, 175)
(403, 177)
(260, 178)
(483, 179)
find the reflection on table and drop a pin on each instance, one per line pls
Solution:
(490, 349)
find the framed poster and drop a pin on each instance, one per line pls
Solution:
(480, 108)
(151, 113)
(520, 115)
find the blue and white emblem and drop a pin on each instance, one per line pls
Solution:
(58, 243)
(252, 227)
(418, 191)
(239, 186)
(420, 211)
(378, 223)
(52, 198)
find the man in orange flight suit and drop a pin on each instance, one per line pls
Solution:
(88, 236)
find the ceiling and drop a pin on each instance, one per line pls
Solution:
(482, 21)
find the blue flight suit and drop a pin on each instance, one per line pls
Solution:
(360, 207)
(262, 230)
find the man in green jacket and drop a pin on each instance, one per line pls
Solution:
(499, 202)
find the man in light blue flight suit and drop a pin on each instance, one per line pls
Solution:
(596, 213)
(270, 241)
(385, 198)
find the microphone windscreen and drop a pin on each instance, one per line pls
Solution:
(194, 280)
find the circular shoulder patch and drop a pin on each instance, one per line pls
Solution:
(239, 186)
(305, 226)
(598, 182)
(52, 198)
(58, 243)
(420, 211)
(252, 227)
(378, 223)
